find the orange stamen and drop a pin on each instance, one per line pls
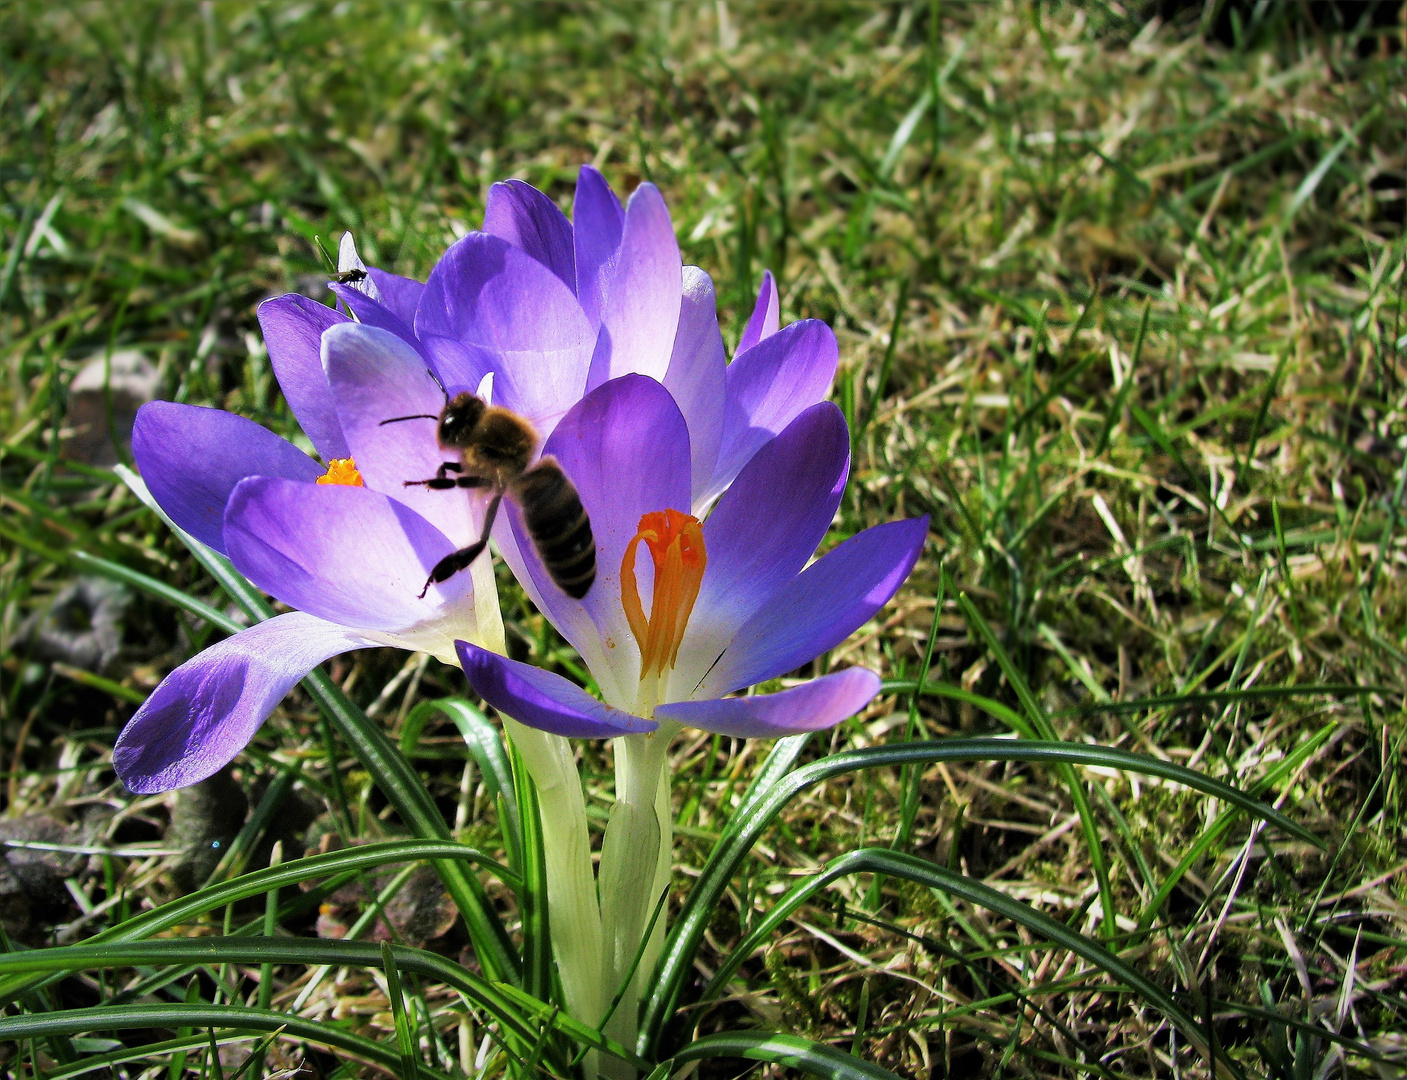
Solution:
(676, 545)
(342, 471)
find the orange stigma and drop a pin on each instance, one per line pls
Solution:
(342, 471)
(676, 544)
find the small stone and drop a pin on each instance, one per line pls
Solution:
(131, 382)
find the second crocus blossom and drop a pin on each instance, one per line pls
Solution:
(553, 308)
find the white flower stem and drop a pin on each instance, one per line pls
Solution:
(575, 919)
(573, 914)
(637, 842)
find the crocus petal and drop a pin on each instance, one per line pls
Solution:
(598, 220)
(399, 295)
(371, 312)
(206, 711)
(456, 365)
(820, 703)
(346, 554)
(488, 295)
(764, 530)
(529, 220)
(376, 376)
(626, 448)
(697, 374)
(293, 326)
(192, 457)
(768, 387)
(821, 607)
(640, 295)
(543, 700)
(766, 316)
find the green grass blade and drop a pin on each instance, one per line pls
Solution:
(812, 1058)
(1007, 715)
(532, 897)
(777, 764)
(572, 1028)
(486, 745)
(407, 1038)
(1217, 829)
(213, 897)
(381, 757)
(676, 960)
(255, 950)
(94, 1062)
(1073, 783)
(235, 1017)
(899, 864)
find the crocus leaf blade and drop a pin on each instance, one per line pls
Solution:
(813, 1058)
(676, 959)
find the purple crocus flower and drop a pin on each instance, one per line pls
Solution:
(733, 602)
(348, 545)
(534, 310)
(553, 309)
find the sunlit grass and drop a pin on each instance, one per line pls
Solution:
(1121, 309)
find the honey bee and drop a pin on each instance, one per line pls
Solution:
(495, 446)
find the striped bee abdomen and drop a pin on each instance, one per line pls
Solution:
(558, 525)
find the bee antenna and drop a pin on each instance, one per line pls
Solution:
(431, 373)
(415, 416)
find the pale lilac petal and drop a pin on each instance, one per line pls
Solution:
(399, 295)
(530, 221)
(376, 376)
(639, 294)
(598, 220)
(768, 387)
(346, 554)
(822, 607)
(697, 374)
(764, 530)
(543, 700)
(458, 366)
(766, 315)
(812, 706)
(192, 457)
(293, 326)
(208, 709)
(626, 448)
(488, 295)
(370, 312)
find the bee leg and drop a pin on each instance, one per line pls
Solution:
(441, 481)
(456, 561)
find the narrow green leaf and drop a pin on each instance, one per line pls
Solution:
(490, 997)
(486, 745)
(1073, 782)
(171, 1017)
(1213, 832)
(813, 1058)
(569, 1026)
(676, 960)
(190, 908)
(532, 897)
(406, 1037)
(175, 1047)
(912, 868)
